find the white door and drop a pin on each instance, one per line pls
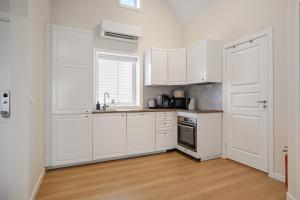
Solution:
(177, 66)
(71, 139)
(140, 133)
(109, 135)
(72, 70)
(196, 63)
(4, 122)
(159, 66)
(246, 103)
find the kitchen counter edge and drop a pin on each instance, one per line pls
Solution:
(156, 110)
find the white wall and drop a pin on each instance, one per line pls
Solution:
(38, 16)
(27, 18)
(294, 96)
(160, 27)
(18, 80)
(229, 20)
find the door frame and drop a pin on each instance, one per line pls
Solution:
(269, 34)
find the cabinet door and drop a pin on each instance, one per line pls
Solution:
(164, 140)
(71, 71)
(159, 67)
(72, 91)
(140, 133)
(196, 63)
(71, 139)
(177, 67)
(109, 135)
(71, 46)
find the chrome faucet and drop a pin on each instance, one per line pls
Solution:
(106, 94)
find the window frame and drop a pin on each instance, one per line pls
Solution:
(130, 7)
(139, 77)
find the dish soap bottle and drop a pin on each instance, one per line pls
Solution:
(98, 106)
(113, 104)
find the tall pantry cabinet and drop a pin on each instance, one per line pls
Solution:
(68, 80)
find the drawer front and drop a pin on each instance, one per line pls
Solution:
(164, 132)
(164, 115)
(160, 119)
(164, 122)
(164, 127)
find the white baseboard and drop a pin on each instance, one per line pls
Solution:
(289, 197)
(278, 177)
(37, 185)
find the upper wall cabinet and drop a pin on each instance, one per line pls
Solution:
(156, 67)
(204, 62)
(177, 66)
(70, 66)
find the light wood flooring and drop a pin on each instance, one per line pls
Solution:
(169, 176)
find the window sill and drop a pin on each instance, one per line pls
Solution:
(129, 7)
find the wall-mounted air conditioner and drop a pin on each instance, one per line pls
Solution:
(120, 31)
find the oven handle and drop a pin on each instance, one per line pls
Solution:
(187, 126)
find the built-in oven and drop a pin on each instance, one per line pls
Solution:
(187, 132)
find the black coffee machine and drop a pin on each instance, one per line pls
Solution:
(163, 101)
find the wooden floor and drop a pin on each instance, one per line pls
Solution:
(169, 176)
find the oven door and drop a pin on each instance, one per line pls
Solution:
(187, 136)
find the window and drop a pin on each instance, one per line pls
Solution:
(119, 76)
(135, 4)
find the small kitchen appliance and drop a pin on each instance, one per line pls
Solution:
(152, 103)
(163, 101)
(192, 105)
(178, 93)
(180, 103)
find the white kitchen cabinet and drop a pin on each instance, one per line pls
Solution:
(164, 131)
(71, 139)
(70, 60)
(156, 67)
(140, 133)
(177, 66)
(109, 135)
(204, 62)
(209, 135)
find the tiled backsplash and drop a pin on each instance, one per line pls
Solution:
(208, 96)
(152, 92)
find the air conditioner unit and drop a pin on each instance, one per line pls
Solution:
(120, 31)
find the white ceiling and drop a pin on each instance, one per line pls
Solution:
(186, 9)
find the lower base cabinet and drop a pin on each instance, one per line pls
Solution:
(164, 141)
(109, 135)
(164, 131)
(71, 139)
(140, 133)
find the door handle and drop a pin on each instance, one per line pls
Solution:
(262, 102)
(5, 104)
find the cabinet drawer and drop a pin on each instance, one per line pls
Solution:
(164, 127)
(164, 122)
(164, 115)
(164, 132)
